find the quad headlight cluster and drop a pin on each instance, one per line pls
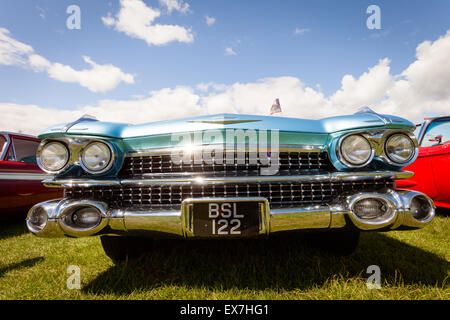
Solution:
(356, 150)
(94, 157)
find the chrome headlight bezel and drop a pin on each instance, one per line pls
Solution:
(343, 158)
(106, 167)
(414, 150)
(39, 159)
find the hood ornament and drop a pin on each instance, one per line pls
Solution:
(367, 110)
(84, 118)
(276, 107)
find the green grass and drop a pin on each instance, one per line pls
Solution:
(414, 265)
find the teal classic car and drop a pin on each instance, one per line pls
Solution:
(229, 176)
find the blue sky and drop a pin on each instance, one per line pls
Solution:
(335, 41)
(260, 32)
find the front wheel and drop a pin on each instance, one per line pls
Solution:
(120, 249)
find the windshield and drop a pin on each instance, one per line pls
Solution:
(437, 133)
(25, 150)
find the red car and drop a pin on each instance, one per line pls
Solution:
(20, 176)
(432, 167)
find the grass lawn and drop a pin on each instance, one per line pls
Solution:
(414, 265)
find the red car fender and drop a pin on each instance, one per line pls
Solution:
(431, 174)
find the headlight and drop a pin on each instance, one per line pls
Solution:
(96, 157)
(37, 220)
(355, 150)
(53, 157)
(400, 148)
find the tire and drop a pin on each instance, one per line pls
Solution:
(342, 243)
(120, 249)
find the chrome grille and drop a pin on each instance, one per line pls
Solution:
(284, 194)
(290, 163)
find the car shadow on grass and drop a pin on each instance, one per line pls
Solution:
(12, 228)
(444, 212)
(28, 263)
(268, 264)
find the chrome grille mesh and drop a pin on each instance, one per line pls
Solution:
(284, 194)
(290, 163)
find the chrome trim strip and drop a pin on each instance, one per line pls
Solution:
(70, 183)
(24, 176)
(222, 146)
(333, 176)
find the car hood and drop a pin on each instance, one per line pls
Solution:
(228, 121)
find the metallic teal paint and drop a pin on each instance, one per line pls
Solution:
(323, 132)
(322, 126)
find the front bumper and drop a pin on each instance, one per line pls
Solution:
(340, 214)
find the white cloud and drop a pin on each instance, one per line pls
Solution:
(32, 119)
(177, 5)
(12, 52)
(99, 78)
(369, 88)
(210, 20)
(230, 52)
(108, 20)
(429, 75)
(135, 19)
(41, 12)
(299, 31)
(407, 95)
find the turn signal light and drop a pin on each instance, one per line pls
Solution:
(370, 208)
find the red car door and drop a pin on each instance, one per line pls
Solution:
(423, 179)
(440, 164)
(19, 183)
(432, 167)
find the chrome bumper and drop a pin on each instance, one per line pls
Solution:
(158, 223)
(188, 179)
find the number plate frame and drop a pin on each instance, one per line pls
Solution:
(187, 216)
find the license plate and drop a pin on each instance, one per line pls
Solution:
(227, 218)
